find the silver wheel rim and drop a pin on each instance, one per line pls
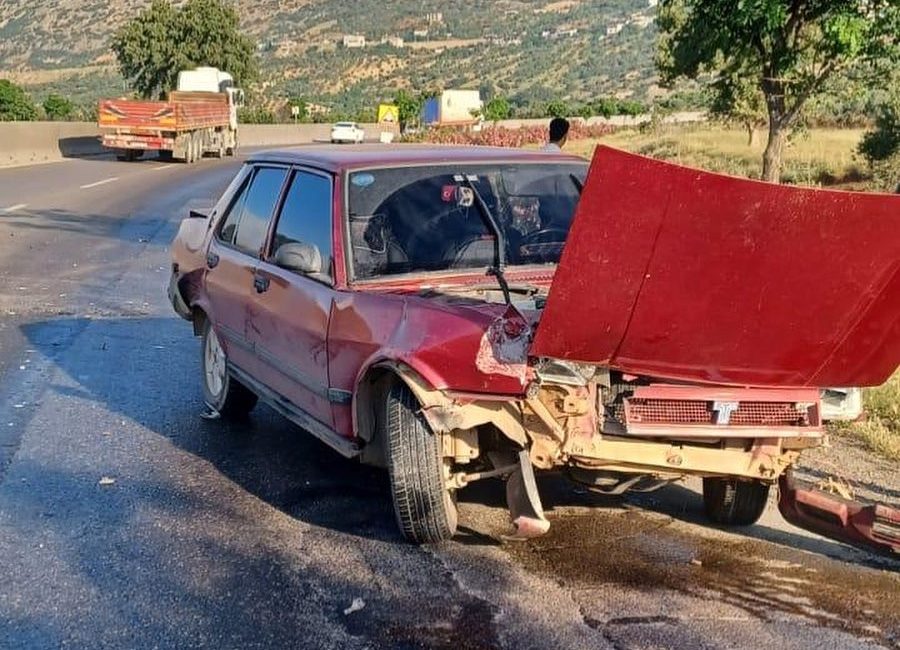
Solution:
(214, 366)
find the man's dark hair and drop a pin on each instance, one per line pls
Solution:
(559, 128)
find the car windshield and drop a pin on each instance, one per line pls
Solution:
(425, 218)
(345, 125)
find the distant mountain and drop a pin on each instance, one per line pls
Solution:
(350, 55)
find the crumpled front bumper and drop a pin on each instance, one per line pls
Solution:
(873, 527)
(177, 300)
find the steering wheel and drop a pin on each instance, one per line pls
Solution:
(542, 245)
(544, 233)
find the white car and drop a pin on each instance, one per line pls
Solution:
(347, 132)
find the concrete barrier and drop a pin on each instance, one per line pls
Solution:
(24, 143)
(35, 142)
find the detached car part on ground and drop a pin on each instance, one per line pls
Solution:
(684, 331)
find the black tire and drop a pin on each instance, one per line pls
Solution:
(230, 398)
(165, 155)
(425, 508)
(734, 503)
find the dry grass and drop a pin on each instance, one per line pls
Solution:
(818, 157)
(880, 431)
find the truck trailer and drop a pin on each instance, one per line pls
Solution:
(199, 117)
(461, 108)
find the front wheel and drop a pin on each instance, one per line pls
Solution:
(425, 508)
(221, 391)
(734, 503)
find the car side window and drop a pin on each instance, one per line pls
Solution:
(306, 216)
(257, 205)
(230, 222)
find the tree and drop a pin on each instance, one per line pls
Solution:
(557, 108)
(409, 107)
(738, 98)
(790, 49)
(496, 109)
(57, 107)
(15, 105)
(162, 40)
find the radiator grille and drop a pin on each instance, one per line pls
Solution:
(670, 411)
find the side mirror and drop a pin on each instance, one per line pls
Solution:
(299, 257)
(196, 214)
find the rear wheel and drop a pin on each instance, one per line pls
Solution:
(734, 503)
(425, 508)
(221, 391)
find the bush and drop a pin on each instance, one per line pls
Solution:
(15, 105)
(502, 137)
(57, 107)
(883, 142)
(255, 115)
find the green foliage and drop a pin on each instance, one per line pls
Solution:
(497, 108)
(881, 147)
(409, 107)
(884, 140)
(15, 105)
(57, 107)
(557, 108)
(788, 49)
(163, 40)
(256, 115)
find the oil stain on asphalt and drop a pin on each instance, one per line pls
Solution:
(650, 551)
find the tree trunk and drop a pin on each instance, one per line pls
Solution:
(751, 133)
(773, 153)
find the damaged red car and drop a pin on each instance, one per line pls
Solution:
(455, 314)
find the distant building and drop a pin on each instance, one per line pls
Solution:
(354, 40)
(395, 41)
(420, 33)
(434, 18)
(615, 28)
(644, 21)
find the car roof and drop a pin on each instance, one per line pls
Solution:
(337, 158)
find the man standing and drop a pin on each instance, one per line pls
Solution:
(559, 133)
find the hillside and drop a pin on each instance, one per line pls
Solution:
(533, 51)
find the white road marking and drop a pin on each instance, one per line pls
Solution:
(17, 206)
(103, 182)
(156, 169)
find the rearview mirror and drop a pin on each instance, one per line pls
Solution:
(299, 257)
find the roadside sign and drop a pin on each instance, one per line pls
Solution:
(388, 113)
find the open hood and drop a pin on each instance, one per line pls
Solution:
(683, 274)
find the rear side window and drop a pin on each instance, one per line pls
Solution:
(259, 205)
(306, 216)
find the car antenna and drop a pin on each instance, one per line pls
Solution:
(499, 241)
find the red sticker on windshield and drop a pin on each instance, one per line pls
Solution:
(448, 193)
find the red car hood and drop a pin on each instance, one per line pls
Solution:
(684, 274)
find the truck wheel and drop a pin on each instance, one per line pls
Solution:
(165, 155)
(222, 392)
(425, 508)
(734, 503)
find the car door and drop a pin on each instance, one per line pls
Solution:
(289, 315)
(232, 258)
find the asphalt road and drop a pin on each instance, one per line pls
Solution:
(127, 521)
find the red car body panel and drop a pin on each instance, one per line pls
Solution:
(689, 275)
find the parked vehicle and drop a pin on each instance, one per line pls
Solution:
(347, 132)
(199, 117)
(460, 108)
(439, 312)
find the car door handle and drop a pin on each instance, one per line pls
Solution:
(261, 283)
(212, 260)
